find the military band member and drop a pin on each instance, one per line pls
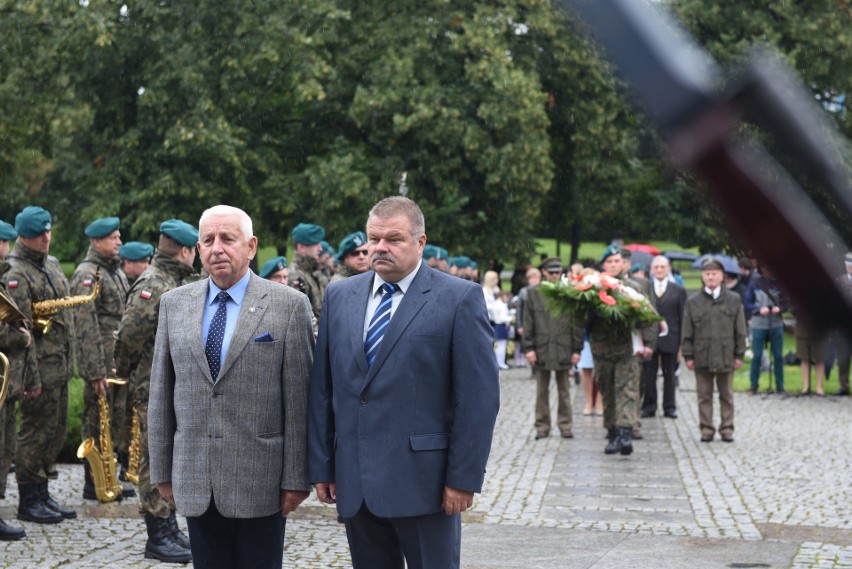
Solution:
(135, 258)
(15, 338)
(307, 273)
(275, 269)
(170, 268)
(36, 276)
(352, 256)
(96, 324)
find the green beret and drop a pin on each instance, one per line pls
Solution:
(350, 243)
(474, 265)
(451, 261)
(273, 265)
(308, 234)
(711, 263)
(180, 231)
(135, 251)
(33, 221)
(637, 267)
(326, 248)
(7, 232)
(443, 253)
(613, 249)
(102, 227)
(463, 262)
(429, 251)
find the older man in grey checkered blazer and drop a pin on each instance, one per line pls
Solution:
(228, 400)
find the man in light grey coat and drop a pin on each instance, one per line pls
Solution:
(228, 401)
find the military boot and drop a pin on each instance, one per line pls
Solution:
(66, 513)
(11, 533)
(626, 439)
(127, 490)
(31, 508)
(179, 536)
(88, 483)
(161, 545)
(614, 445)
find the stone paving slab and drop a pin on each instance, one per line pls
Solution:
(777, 497)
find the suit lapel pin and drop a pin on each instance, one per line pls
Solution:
(251, 309)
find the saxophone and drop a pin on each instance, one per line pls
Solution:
(102, 461)
(4, 383)
(135, 450)
(45, 310)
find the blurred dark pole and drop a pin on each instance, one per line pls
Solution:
(682, 91)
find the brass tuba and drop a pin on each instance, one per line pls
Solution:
(135, 451)
(4, 383)
(44, 310)
(102, 461)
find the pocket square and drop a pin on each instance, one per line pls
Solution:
(265, 337)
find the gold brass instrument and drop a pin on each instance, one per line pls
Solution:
(8, 310)
(135, 451)
(45, 310)
(4, 383)
(103, 461)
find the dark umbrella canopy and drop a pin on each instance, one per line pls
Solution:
(729, 264)
(679, 255)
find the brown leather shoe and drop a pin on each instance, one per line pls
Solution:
(541, 435)
(727, 438)
(567, 435)
(706, 438)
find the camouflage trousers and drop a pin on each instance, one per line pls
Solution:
(150, 501)
(41, 435)
(618, 381)
(119, 402)
(7, 442)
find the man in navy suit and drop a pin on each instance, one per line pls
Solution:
(403, 399)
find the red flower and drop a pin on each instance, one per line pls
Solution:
(583, 286)
(609, 282)
(605, 298)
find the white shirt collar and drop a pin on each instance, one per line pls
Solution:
(661, 284)
(403, 284)
(714, 293)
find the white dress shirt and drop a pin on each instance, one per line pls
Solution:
(376, 296)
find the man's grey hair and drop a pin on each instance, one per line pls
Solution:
(217, 210)
(661, 258)
(395, 206)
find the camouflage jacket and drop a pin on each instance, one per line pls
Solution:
(313, 279)
(13, 343)
(134, 346)
(35, 277)
(344, 271)
(609, 340)
(97, 322)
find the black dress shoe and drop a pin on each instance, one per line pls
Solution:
(541, 435)
(648, 414)
(727, 438)
(706, 438)
(672, 414)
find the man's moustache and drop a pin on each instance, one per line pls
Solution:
(382, 257)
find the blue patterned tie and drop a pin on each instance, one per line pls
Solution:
(379, 323)
(216, 333)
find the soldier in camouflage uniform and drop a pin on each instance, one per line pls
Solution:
(275, 269)
(15, 338)
(35, 276)
(617, 367)
(135, 258)
(307, 274)
(170, 268)
(352, 256)
(96, 324)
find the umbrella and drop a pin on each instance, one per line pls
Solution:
(729, 264)
(679, 255)
(641, 258)
(643, 247)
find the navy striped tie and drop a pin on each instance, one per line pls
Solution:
(379, 323)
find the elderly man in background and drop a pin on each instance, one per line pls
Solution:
(714, 334)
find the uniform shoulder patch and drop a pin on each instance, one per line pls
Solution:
(146, 294)
(87, 282)
(13, 284)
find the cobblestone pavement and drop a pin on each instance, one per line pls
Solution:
(777, 497)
